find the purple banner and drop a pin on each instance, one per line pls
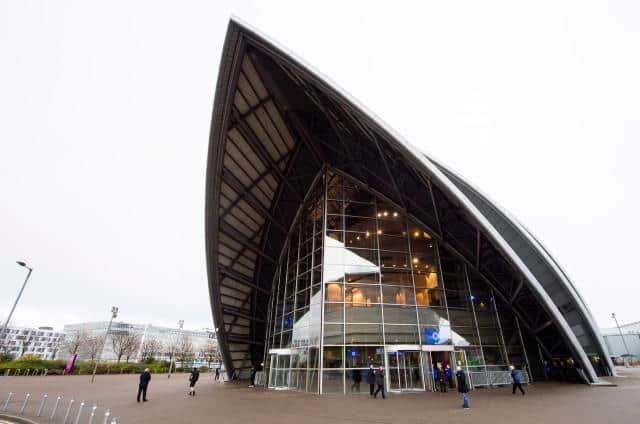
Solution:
(68, 369)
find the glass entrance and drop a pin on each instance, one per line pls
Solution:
(279, 373)
(405, 372)
(436, 363)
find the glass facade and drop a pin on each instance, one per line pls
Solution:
(360, 283)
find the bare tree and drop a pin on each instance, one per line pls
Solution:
(150, 348)
(125, 343)
(93, 346)
(210, 352)
(171, 348)
(185, 349)
(75, 341)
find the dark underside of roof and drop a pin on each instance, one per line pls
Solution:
(275, 125)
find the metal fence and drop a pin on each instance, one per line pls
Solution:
(495, 377)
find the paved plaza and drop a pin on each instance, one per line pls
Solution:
(235, 403)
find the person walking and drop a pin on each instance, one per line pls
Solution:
(379, 382)
(515, 377)
(195, 375)
(253, 376)
(371, 379)
(461, 380)
(436, 378)
(442, 380)
(449, 373)
(356, 376)
(217, 374)
(145, 378)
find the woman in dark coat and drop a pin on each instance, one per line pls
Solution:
(461, 379)
(379, 382)
(371, 379)
(356, 375)
(195, 375)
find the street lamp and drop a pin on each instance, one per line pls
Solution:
(114, 314)
(626, 364)
(6, 322)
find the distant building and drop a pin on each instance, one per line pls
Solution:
(164, 335)
(41, 341)
(615, 343)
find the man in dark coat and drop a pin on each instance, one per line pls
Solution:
(217, 373)
(195, 375)
(371, 379)
(356, 376)
(253, 376)
(379, 382)
(515, 377)
(442, 380)
(145, 378)
(461, 380)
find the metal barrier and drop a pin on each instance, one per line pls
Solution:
(261, 378)
(80, 416)
(495, 378)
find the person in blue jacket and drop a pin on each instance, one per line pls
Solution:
(461, 379)
(449, 372)
(515, 377)
(436, 378)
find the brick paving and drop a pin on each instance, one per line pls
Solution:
(235, 403)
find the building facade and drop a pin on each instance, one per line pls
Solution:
(164, 335)
(333, 245)
(626, 344)
(42, 341)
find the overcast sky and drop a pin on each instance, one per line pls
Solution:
(105, 110)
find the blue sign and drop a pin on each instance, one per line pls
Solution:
(432, 336)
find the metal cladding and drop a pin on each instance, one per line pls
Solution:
(276, 124)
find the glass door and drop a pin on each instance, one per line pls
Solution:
(405, 371)
(279, 371)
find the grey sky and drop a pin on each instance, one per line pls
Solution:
(105, 111)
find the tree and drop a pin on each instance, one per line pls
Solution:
(125, 343)
(171, 348)
(185, 349)
(75, 340)
(211, 352)
(93, 346)
(150, 348)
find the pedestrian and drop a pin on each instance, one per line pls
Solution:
(515, 377)
(379, 382)
(356, 376)
(371, 379)
(436, 377)
(195, 375)
(145, 378)
(253, 376)
(217, 374)
(547, 370)
(442, 380)
(461, 380)
(449, 373)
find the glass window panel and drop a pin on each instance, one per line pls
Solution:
(458, 299)
(312, 381)
(398, 260)
(363, 356)
(400, 314)
(288, 322)
(474, 357)
(396, 276)
(356, 313)
(302, 380)
(336, 235)
(333, 381)
(401, 334)
(357, 193)
(454, 281)
(366, 240)
(334, 292)
(314, 355)
(333, 312)
(433, 316)
(333, 357)
(362, 277)
(335, 207)
(464, 336)
(423, 278)
(363, 334)
(392, 243)
(398, 295)
(360, 224)
(361, 257)
(461, 317)
(493, 355)
(367, 210)
(286, 339)
(302, 316)
(489, 336)
(391, 225)
(362, 295)
(425, 297)
(335, 222)
(334, 334)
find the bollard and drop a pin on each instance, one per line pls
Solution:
(55, 408)
(6, 402)
(66, 415)
(107, 413)
(79, 413)
(46, 371)
(42, 403)
(28, 372)
(24, 405)
(93, 414)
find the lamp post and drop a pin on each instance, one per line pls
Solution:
(626, 364)
(114, 314)
(180, 325)
(6, 322)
